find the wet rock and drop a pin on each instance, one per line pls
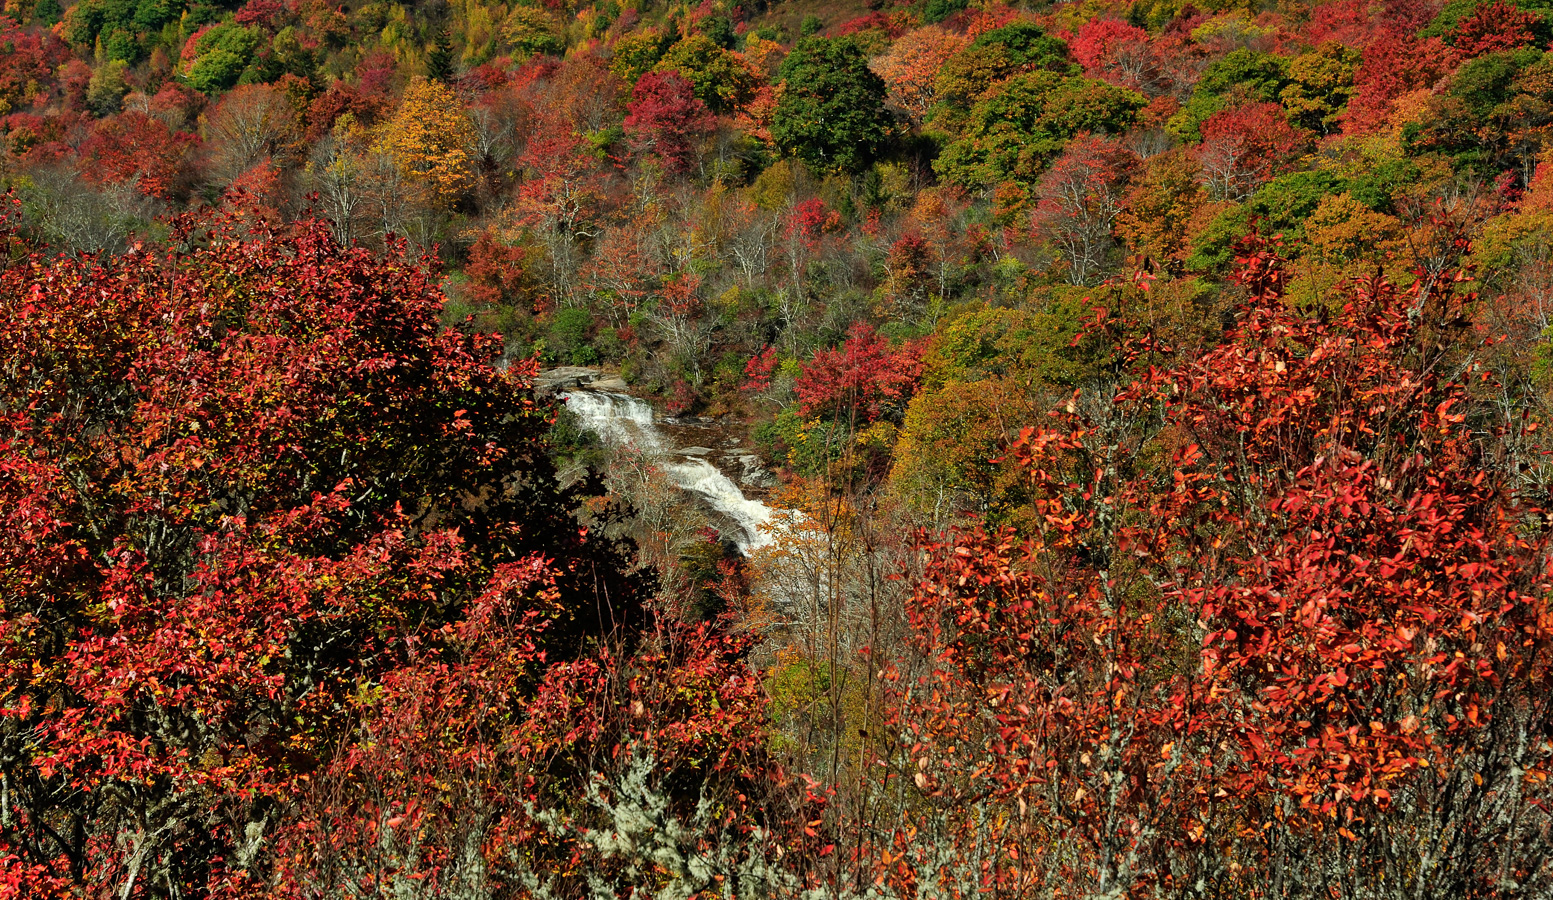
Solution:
(752, 474)
(622, 420)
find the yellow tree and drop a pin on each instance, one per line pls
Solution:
(531, 31)
(431, 139)
(1344, 239)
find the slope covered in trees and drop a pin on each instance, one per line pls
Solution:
(1156, 394)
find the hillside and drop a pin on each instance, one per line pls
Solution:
(1150, 400)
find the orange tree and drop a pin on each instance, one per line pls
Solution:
(432, 139)
(1279, 629)
(291, 603)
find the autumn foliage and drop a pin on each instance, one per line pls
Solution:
(665, 116)
(300, 586)
(1314, 633)
(994, 518)
(858, 380)
(1245, 147)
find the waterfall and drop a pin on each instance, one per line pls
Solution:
(621, 420)
(625, 421)
(704, 479)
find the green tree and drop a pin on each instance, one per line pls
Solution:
(832, 113)
(1487, 81)
(720, 79)
(993, 342)
(530, 31)
(1244, 75)
(952, 454)
(439, 57)
(224, 52)
(47, 13)
(107, 87)
(938, 10)
(720, 31)
(1453, 13)
(1025, 44)
(1280, 207)
(992, 57)
(986, 375)
(1013, 134)
(1260, 75)
(1482, 121)
(636, 53)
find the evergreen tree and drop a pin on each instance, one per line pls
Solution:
(439, 59)
(832, 113)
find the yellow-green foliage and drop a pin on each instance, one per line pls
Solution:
(529, 31)
(773, 188)
(481, 29)
(1322, 84)
(1031, 343)
(1343, 230)
(950, 451)
(1506, 240)
(637, 52)
(719, 78)
(1158, 213)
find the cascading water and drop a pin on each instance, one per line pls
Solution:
(625, 421)
(706, 480)
(621, 420)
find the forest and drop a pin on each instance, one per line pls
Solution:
(1147, 403)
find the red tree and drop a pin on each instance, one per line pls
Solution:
(135, 147)
(560, 200)
(1078, 200)
(27, 65)
(176, 105)
(263, 13)
(1245, 147)
(665, 117)
(1349, 22)
(811, 220)
(1393, 67)
(858, 381)
(1306, 637)
(256, 194)
(1116, 52)
(1492, 27)
(337, 101)
(306, 611)
(758, 371)
(496, 271)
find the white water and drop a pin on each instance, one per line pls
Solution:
(701, 477)
(621, 420)
(625, 421)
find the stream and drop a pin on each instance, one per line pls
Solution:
(621, 420)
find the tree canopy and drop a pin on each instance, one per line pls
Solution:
(831, 113)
